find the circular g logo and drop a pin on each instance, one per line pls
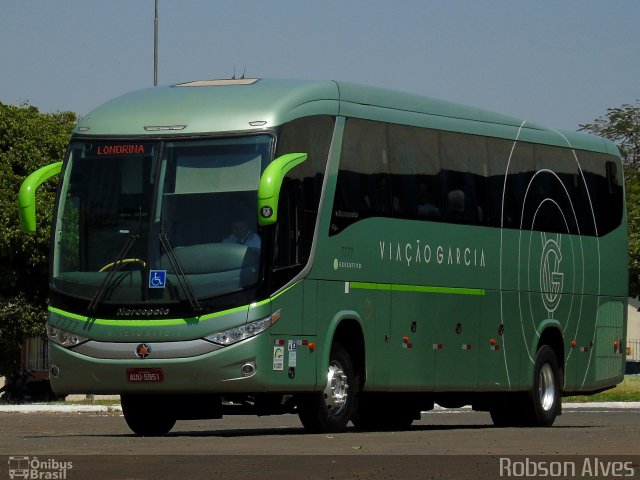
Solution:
(551, 278)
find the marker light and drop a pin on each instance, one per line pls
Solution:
(242, 332)
(66, 339)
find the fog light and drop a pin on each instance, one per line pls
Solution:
(248, 369)
(55, 371)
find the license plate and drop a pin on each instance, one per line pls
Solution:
(144, 375)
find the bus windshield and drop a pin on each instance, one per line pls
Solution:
(142, 221)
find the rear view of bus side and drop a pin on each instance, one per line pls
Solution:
(343, 252)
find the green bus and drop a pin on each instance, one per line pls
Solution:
(342, 252)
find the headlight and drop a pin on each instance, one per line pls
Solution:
(242, 332)
(63, 338)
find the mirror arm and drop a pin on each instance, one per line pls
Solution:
(27, 195)
(270, 184)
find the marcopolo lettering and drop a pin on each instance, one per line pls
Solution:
(143, 312)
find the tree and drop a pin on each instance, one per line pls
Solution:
(28, 140)
(622, 126)
(632, 184)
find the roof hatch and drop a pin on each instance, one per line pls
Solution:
(219, 83)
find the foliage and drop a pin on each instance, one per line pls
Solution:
(627, 391)
(28, 140)
(622, 126)
(632, 187)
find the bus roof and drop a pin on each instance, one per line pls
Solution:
(234, 105)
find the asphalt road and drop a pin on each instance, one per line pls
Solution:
(443, 444)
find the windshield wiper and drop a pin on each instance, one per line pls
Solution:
(178, 270)
(106, 282)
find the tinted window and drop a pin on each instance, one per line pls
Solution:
(603, 177)
(465, 178)
(415, 172)
(300, 194)
(363, 189)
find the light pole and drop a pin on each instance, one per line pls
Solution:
(155, 46)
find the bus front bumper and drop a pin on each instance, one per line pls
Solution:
(242, 367)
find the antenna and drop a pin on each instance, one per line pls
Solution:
(243, 72)
(234, 73)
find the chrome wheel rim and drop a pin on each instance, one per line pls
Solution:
(336, 392)
(546, 387)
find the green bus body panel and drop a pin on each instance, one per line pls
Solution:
(210, 109)
(27, 194)
(442, 307)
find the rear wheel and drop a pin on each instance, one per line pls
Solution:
(331, 409)
(540, 406)
(545, 399)
(146, 416)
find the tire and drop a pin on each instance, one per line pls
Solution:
(329, 411)
(146, 415)
(545, 399)
(538, 407)
(383, 413)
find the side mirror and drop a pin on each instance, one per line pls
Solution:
(27, 195)
(270, 184)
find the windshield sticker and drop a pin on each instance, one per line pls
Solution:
(157, 278)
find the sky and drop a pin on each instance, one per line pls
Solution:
(558, 63)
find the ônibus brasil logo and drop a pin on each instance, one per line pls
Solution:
(551, 278)
(34, 468)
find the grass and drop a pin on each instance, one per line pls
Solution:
(627, 391)
(100, 401)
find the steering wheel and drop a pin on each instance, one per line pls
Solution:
(124, 261)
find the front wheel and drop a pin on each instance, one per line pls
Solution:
(331, 409)
(146, 416)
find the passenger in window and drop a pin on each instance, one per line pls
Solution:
(241, 234)
(425, 207)
(377, 200)
(455, 205)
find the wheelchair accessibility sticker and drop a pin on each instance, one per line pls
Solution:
(157, 278)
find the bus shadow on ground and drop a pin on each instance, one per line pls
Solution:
(299, 431)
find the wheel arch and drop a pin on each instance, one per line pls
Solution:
(345, 328)
(551, 335)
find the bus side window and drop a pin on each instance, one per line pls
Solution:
(362, 189)
(465, 176)
(415, 172)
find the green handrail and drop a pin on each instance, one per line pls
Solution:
(27, 195)
(270, 184)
